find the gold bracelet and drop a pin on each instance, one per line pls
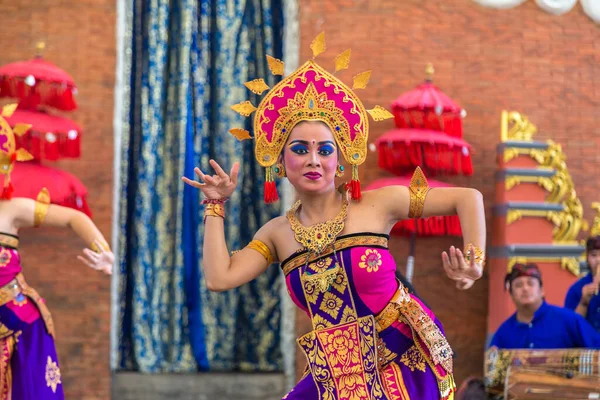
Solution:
(418, 189)
(479, 254)
(262, 248)
(41, 207)
(214, 210)
(103, 246)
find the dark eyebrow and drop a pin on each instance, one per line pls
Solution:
(306, 142)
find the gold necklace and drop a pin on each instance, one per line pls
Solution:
(317, 237)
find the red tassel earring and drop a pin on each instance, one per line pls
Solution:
(354, 185)
(270, 188)
(7, 190)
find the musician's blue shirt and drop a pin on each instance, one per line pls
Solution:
(552, 327)
(574, 296)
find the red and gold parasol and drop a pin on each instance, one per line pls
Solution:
(38, 82)
(402, 150)
(427, 107)
(50, 138)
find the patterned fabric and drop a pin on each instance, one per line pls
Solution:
(184, 64)
(29, 368)
(350, 355)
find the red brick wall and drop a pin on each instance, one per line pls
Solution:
(80, 39)
(545, 66)
(488, 60)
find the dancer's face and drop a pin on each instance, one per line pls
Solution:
(310, 157)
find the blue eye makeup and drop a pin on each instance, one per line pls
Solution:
(299, 148)
(326, 150)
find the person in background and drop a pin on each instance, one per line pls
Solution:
(582, 297)
(30, 369)
(537, 324)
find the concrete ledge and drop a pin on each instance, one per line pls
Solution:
(520, 145)
(200, 386)
(502, 209)
(536, 172)
(536, 250)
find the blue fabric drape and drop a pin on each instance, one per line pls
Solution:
(185, 64)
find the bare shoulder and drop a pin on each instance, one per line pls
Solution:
(390, 203)
(15, 213)
(17, 205)
(270, 230)
(384, 196)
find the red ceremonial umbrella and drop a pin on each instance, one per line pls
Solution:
(50, 137)
(29, 178)
(428, 135)
(427, 107)
(402, 150)
(38, 82)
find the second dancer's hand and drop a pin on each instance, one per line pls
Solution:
(218, 186)
(100, 261)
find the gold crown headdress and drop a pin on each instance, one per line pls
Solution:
(309, 94)
(8, 149)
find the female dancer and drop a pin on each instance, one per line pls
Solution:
(371, 339)
(29, 368)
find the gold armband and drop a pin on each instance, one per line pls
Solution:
(477, 252)
(214, 210)
(263, 249)
(418, 189)
(103, 245)
(41, 207)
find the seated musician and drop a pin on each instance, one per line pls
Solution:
(537, 324)
(583, 297)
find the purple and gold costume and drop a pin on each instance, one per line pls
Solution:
(371, 339)
(29, 367)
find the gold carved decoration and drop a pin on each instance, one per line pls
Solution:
(595, 231)
(569, 222)
(538, 155)
(546, 182)
(513, 216)
(516, 127)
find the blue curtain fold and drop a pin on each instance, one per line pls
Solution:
(185, 64)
